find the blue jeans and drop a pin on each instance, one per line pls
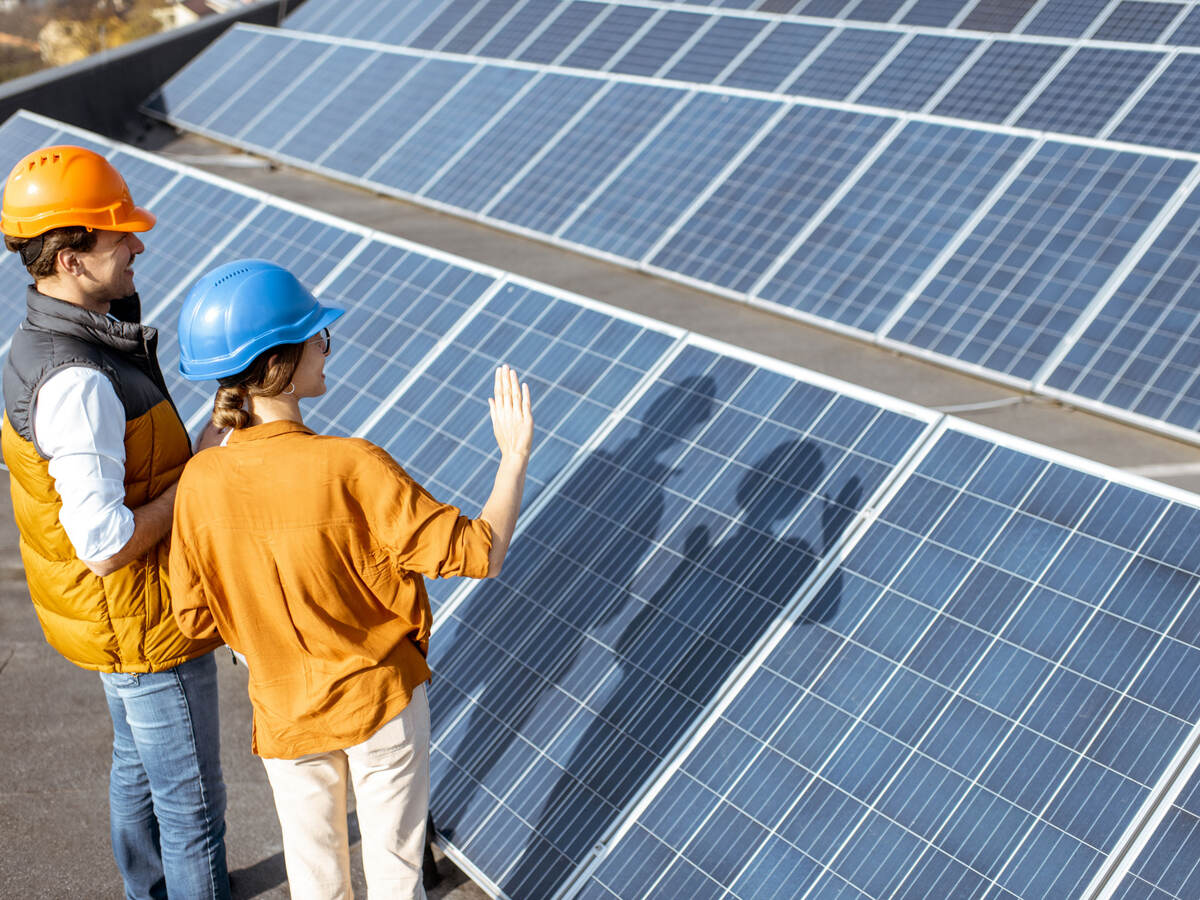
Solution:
(166, 795)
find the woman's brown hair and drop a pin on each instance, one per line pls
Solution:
(268, 376)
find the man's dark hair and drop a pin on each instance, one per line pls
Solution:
(40, 254)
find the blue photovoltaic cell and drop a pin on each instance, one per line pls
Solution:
(716, 49)
(1140, 21)
(659, 44)
(214, 89)
(636, 209)
(198, 74)
(580, 159)
(308, 248)
(361, 149)
(737, 233)
(933, 12)
(566, 26)
(1089, 90)
(502, 151)
(296, 101)
(775, 6)
(917, 72)
(629, 599)
(452, 16)
(1168, 114)
(771, 63)
(1142, 352)
(1168, 868)
(1188, 32)
(843, 63)
(530, 18)
(580, 364)
(608, 37)
(271, 80)
(477, 26)
(1012, 290)
(998, 80)
(320, 15)
(952, 716)
(342, 110)
(1065, 18)
(875, 10)
(861, 261)
(443, 134)
(991, 16)
(399, 303)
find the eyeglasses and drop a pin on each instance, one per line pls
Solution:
(323, 337)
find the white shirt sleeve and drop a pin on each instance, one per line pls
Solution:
(79, 423)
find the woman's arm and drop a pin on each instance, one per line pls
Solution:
(512, 422)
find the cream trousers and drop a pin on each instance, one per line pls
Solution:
(390, 774)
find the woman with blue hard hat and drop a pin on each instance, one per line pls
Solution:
(306, 554)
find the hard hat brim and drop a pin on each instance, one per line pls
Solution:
(138, 220)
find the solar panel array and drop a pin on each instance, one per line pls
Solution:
(1001, 251)
(761, 633)
(1074, 83)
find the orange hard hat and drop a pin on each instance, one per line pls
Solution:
(60, 186)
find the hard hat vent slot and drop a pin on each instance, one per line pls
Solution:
(232, 274)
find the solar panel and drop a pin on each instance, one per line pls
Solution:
(576, 162)
(1168, 114)
(1141, 22)
(773, 60)
(563, 684)
(917, 72)
(1065, 18)
(859, 263)
(476, 25)
(939, 13)
(601, 44)
(1089, 90)
(442, 135)
(998, 81)
(637, 207)
(716, 49)
(203, 71)
(996, 16)
(875, 10)
(559, 33)
(737, 233)
(1140, 353)
(503, 151)
(836, 71)
(1188, 32)
(952, 714)
(353, 101)
(300, 96)
(424, 89)
(438, 28)
(651, 52)
(1167, 868)
(1015, 286)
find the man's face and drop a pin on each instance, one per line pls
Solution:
(108, 266)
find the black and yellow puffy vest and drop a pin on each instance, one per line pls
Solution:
(122, 622)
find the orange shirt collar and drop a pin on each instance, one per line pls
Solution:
(268, 430)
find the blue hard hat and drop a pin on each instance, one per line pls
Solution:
(240, 309)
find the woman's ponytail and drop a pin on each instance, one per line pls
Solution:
(229, 407)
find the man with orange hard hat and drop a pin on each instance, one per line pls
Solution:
(94, 447)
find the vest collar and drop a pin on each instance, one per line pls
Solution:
(126, 335)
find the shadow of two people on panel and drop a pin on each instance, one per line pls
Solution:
(576, 617)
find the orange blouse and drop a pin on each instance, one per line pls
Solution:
(306, 554)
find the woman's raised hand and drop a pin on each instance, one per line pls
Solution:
(512, 414)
